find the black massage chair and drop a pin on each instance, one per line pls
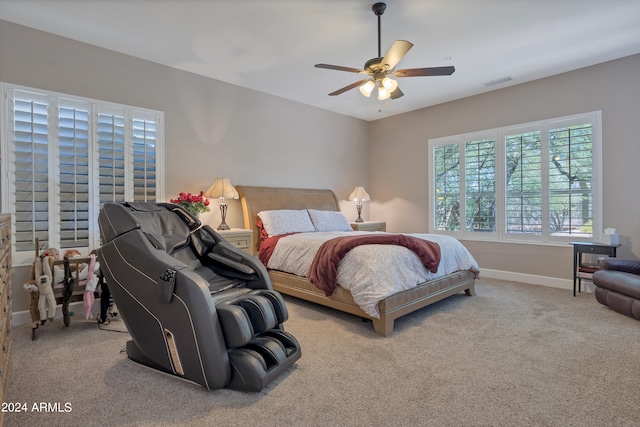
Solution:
(195, 306)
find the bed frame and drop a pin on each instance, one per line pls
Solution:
(256, 199)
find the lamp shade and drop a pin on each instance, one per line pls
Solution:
(367, 88)
(389, 84)
(359, 195)
(222, 188)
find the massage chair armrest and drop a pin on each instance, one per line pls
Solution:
(210, 244)
(243, 257)
(624, 265)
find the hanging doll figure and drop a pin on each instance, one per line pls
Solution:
(44, 281)
(90, 288)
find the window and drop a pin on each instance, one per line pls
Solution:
(533, 182)
(66, 157)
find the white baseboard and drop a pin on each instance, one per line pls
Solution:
(533, 279)
(23, 317)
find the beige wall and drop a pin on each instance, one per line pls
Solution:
(215, 129)
(399, 171)
(212, 129)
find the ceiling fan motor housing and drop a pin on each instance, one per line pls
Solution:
(373, 65)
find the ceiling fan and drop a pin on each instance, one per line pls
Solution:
(379, 69)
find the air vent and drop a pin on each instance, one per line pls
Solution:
(498, 81)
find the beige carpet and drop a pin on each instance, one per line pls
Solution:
(513, 355)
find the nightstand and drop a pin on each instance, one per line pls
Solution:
(580, 248)
(241, 238)
(369, 226)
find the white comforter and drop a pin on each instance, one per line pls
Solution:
(372, 272)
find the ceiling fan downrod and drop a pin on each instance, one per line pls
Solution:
(379, 9)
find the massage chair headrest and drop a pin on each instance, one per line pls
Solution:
(169, 225)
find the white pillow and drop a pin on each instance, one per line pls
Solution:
(329, 220)
(285, 221)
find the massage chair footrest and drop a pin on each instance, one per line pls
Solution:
(244, 316)
(262, 359)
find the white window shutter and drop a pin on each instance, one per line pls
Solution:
(523, 183)
(65, 157)
(541, 183)
(73, 171)
(29, 167)
(111, 155)
(144, 157)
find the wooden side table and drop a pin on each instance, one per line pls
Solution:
(241, 238)
(369, 226)
(580, 248)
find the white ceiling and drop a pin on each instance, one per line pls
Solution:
(272, 45)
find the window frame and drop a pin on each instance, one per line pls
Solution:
(94, 108)
(500, 234)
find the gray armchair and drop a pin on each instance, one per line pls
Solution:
(196, 307)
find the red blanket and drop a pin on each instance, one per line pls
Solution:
(324, 268)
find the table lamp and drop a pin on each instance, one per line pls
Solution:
(359, 195)
(222, 190)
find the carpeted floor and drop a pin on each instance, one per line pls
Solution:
(513, 355)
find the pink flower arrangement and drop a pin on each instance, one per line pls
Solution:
(194, 204)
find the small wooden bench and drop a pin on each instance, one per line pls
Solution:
(70, 291)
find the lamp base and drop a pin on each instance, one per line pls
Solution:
(223, 214)
(359, 208)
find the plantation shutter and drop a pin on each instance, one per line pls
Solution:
(73, 165)
(65, 157)
(524, 183)
(144, 158)
(480, 185)
(446, 167)
(532, 182)
(29, 152)
(570, 180)
(111, 156)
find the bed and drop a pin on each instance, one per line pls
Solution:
(259, 199)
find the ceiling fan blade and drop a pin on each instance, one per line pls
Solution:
(417, 72)
(396, 52)
(339, 68)
(346, 88)
(396, 93)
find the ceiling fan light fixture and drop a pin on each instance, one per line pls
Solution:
(383, 93)
(367, 88)
(389, 84)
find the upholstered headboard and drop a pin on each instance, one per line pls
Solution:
(256, 199)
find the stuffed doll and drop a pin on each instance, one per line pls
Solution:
(92, 284)
(53, 253)
(34, 295)
(58, 270)
(32, 288)
(44, 281)
(71, 254)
